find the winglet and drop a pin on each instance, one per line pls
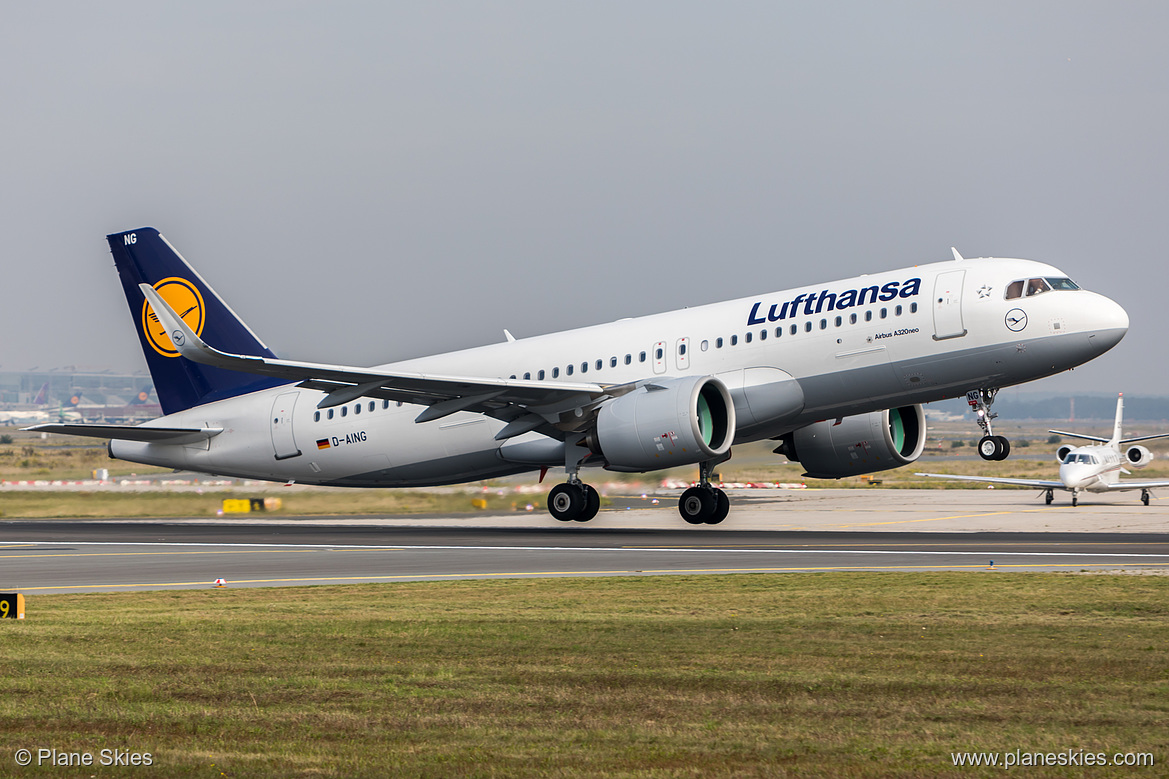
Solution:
(508, 335)
(957, 257)
(183, 337)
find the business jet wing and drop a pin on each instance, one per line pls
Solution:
(169, 435)
(1039, 483)
(1138, 485)
(525, 405)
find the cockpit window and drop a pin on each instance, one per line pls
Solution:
(1037, 287)
(1086, 459)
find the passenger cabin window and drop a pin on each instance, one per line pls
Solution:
(601, 364)
(555, 373)
(316, 416)
(568, 370)
(386, 404)
(527, 376)
(718, 343)
(356, 408)
(658, 354)
(762, 335)
(612, 362)
(778, 332)
(807, 327)
(795, 329)
(641, 357)
(540, 374)
(628, 359)
(372, 405)
(584, 367)
(747, 337)
(330, 413)
(734, 340)
(704, 345)
(345, 411)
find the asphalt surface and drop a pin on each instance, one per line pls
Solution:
(49, 556)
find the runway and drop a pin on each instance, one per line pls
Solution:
(119, 556)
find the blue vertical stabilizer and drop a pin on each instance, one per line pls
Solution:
(145, 256)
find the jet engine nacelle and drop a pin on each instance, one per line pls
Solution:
(1138, 456)
(662, 424)
(859, 444)
(1062, 453)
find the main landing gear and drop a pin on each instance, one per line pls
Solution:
(1145, 497)
(574, 501)
(704, 504)
(990, 446)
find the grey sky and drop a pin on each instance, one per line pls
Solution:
(367, 182)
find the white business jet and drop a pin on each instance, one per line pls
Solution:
(835, 373)
(1094, 468)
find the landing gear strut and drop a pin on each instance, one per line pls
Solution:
(574, 501)
(990, 446)
(704, 503)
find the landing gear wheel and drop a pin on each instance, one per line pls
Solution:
(592, 503)
(722, 507)
(1050, 497)
(566, 501)
(989, 447)
(698, 505)
(1145, 497)
(1075, 498)
(1006, 447)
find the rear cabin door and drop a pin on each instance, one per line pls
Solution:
(948, 305)
(283, 441)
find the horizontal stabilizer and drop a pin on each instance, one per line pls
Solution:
(150, 435)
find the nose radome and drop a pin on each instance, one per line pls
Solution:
(1108, 323)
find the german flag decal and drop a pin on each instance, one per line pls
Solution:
(322, 443)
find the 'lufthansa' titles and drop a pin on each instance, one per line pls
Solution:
(808, 304)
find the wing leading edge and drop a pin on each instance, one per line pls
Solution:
(1040, 483)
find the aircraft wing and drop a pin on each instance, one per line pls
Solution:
(1039, 483)
(167, 435)
(525, 405)
(1137, 485)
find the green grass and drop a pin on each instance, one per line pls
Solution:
(847, 675)
(95, 505)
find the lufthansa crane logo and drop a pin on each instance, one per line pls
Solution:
(1016, 319)
(184, 298)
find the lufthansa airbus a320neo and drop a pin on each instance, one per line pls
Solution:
(834, 373)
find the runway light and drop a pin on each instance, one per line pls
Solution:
(991, 568)
(220, 582)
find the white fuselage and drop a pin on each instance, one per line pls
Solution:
(1091, 468)
(850, 349)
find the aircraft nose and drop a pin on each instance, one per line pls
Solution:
(1108, 323)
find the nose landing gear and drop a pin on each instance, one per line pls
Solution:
(990, 446)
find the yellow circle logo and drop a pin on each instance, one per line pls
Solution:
(182, 296)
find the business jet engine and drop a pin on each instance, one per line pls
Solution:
(864, 443)
(1138, 456)
(662, 424)
(1062, 453)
